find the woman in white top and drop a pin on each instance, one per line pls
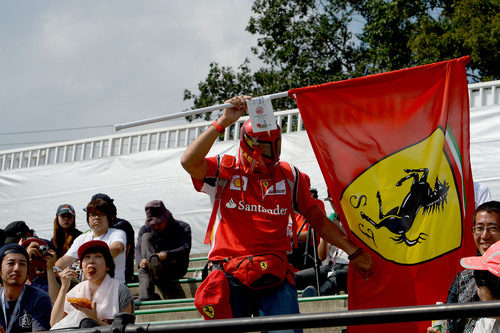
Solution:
(99, 217)
(108, 295)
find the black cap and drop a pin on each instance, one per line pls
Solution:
(2, 237)
(156, 212)
(13, 248)
(65, 208)
(108, 199)
(102, 196)
(15, 231)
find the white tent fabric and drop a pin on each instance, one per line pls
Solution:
(33, 194)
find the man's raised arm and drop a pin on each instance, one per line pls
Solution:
(193, 159)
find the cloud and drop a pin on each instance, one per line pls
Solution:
(97, 62)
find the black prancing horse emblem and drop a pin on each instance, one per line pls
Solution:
(399, 220)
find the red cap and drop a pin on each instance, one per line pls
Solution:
(30, 240)
(212, 297)
(93, 243)
(489, 261)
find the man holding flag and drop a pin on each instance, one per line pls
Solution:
(251, 214)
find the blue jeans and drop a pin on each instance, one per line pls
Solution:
(278, 300)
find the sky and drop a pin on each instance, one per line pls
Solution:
(73, 64)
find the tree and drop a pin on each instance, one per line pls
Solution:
(307, 42)
(466, 27)
(221, 84)
(388, 28)
(304, 37)
(400, 34)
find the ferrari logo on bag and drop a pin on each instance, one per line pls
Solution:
(402, 205)
(209, 311)
(263, 265)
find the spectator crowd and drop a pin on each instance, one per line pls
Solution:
(77, 280)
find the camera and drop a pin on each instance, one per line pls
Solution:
(43, 249)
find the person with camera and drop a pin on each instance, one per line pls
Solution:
(42, 258)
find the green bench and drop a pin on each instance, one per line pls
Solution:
(193, 308)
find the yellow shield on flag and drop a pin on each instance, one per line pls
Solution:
(406, 207)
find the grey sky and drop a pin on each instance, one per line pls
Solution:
(75, 63)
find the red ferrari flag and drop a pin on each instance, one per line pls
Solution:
(394, 151)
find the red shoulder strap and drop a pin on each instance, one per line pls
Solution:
(224, 174)
(291, 175)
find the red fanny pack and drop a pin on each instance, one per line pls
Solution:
(259, 271)
(212, 297)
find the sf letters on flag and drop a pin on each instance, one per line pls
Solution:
(394, 151)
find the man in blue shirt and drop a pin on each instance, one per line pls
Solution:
(24, 308)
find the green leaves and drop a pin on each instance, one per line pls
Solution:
(307, 42)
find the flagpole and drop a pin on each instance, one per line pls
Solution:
(118, 127)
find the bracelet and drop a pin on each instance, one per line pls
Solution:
(355, 254)
(218, 127)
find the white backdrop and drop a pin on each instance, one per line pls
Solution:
(33, 194)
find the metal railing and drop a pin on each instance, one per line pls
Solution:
(481, 95)
(124, 144)
(315, 320)
(484, 94)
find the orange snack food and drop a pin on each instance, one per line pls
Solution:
(83, 302)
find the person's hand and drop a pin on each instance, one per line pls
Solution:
(91, 313)
(363, 264)
(66, 275)
(33, 250)
(144, 263)
(431, 330)
(162, 255)
(230, 115)
(50, 259)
